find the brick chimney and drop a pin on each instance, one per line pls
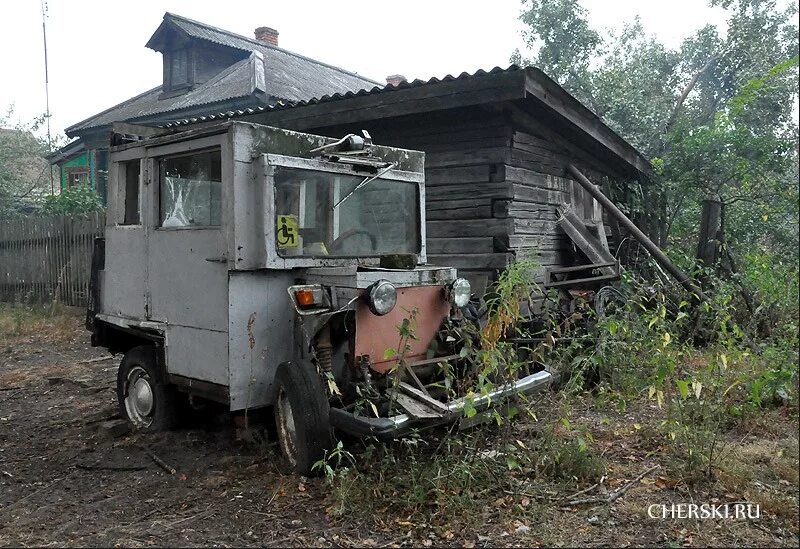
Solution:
(267, 35)
(395, 80)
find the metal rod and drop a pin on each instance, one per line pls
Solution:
(47, 93)
(654, 250)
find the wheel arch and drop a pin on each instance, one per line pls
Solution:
(120, 340)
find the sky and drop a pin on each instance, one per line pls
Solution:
(97, 58)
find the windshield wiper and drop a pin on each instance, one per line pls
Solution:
(366, 180)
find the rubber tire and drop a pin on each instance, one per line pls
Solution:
(308, 400)
(165, 415)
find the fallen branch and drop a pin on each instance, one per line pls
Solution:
(161, 463)
(616, 494)
(85, 467)
(91, 360)
(580, 493)
(185, 519)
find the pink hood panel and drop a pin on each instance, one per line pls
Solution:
(375, 334)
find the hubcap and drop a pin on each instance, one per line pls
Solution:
(287, 432)
(139, 398)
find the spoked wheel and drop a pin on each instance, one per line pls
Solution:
(144, 400)
(301, 416)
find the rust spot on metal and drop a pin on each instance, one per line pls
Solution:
(250, 322)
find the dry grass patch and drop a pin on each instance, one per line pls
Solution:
(55, 323)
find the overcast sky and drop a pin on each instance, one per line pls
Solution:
(97, 56)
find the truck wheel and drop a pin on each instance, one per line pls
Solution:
(301, 415)
(144, 400)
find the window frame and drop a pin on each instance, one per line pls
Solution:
(78, 170)
(170, 58)
(275, 260)
(157, 166)
(123, 209)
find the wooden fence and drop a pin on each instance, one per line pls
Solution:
(48, 258)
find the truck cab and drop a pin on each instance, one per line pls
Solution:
(256, 266)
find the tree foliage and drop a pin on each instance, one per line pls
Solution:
(715, 116)
(76, 200)
(24, 172)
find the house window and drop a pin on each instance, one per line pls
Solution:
(190, 190)
(77, 176)
(177, 69)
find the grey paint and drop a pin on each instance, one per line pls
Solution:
(260, 296)
(230, 320)
(197, 353)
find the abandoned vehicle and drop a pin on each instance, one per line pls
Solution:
(256, 266)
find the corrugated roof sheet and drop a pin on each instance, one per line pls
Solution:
(336, 97)
(281, 75)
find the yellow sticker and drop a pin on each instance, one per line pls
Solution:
(286, 231)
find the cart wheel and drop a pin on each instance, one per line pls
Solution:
(301, 415)
(144, 400)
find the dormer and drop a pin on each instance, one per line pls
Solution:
(189, 60)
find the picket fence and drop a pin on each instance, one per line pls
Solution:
(44, 259)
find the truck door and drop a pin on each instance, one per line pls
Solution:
(187, 272)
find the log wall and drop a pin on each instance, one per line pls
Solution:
(494, 179)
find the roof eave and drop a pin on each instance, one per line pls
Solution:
(547, 92)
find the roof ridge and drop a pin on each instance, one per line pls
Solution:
(268, 46)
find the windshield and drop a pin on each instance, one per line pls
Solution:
(316, 217)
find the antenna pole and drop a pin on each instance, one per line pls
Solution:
(47, 91)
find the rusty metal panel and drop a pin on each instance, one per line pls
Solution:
(375, 334)
(260, 334)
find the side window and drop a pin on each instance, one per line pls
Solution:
(132, 171)
(190, 190)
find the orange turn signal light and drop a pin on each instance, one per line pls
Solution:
(305, 297)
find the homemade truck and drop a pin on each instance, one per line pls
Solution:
(255, 266)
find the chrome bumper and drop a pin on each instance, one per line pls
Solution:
(389, 427)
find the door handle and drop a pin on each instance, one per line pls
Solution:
(221, 259)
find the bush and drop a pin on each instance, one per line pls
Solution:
(76, 200)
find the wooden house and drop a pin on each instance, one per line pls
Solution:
(497, 145)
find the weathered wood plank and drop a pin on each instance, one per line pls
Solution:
(43, 259)
(473, 261)
(464, 191)
(480, 227)
(460, 213)
(468, 157)
(465, 245)
(458, 175)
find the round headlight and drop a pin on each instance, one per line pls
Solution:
(382, 297)
(460, 292)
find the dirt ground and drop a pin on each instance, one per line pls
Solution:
(65, 480)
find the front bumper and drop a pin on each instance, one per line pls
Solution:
(390, 427)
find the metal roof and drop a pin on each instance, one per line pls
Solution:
(538, 87)
(235, 113)
(279, 75)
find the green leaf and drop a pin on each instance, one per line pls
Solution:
(683, 387)
(389, 353)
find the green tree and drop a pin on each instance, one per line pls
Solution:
(714, 115)
(24, 171)
(76, 200)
